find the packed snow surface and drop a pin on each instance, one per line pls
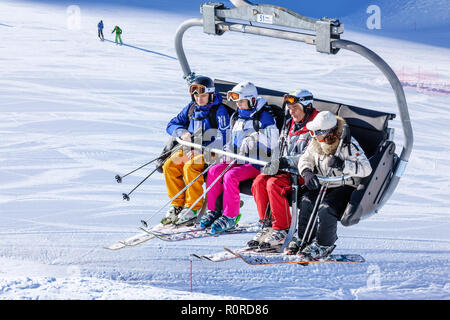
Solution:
(76, 111)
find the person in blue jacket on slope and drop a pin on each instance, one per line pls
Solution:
(100, 30)
(206, 121)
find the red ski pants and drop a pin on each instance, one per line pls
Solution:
(273, 191)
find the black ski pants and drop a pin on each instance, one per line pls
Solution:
(330, 212)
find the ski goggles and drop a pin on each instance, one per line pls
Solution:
(199, 89)
(234, 96)
(315, 133)
(289, 99)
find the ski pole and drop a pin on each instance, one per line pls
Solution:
(309, 228)
(212, 184)
(119, 178)
(126, 196)
(284, 131)
(144, 222)
(294, 210)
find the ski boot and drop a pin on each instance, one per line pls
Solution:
(315, 252)
(259, 237)
(274, 239)
(292, 248)
(224, 223)
(185, 216)
(171, 215)
(209, 218)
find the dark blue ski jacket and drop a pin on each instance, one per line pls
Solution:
(200, 119)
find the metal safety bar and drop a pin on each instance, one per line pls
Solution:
(322, 179)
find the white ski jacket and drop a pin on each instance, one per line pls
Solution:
(265, 141)
(317, 155)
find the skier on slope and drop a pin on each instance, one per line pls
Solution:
(203, 113)
(245, 140)
(318, 158)
(100, 30)
(118, 32)
(272, 188)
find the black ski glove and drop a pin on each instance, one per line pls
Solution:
(284, 163)
(311, 180)
(336, 163)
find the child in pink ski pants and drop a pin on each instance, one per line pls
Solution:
(228, 185)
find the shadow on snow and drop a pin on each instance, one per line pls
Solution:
(145, 50)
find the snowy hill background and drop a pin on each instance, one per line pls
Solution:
(76, 111)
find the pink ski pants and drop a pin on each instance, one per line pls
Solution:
(228, 185)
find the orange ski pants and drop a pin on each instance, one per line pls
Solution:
(179, 171)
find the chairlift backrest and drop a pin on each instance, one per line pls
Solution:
(368, 127)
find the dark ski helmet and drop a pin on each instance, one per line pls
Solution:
(304, 97)
(202, 84)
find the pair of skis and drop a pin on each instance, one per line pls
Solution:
(173, 233)
(250, 256)
(273, 257)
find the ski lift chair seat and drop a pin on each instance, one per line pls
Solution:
(369, 128)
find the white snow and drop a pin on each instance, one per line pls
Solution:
(76, 111)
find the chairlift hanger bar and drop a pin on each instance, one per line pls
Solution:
(272, 21)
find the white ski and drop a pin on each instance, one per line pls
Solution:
(146, 235)
(227, 255)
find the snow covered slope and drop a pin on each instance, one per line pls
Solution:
(76, 111)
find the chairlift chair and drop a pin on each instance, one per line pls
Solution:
(369, 127)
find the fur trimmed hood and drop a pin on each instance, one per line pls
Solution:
(317, 154)
(322, 148)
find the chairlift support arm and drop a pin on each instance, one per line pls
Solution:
(264, 20)
(271, 21)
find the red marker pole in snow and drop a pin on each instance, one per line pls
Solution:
(191, 276)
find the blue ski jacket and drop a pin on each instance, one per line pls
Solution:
(100, 26)
(200, 120)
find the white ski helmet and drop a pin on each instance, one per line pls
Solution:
(304, 97)
(323, 123)
(244, 90)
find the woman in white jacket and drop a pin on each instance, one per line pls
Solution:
(319, 158)
(245, 140)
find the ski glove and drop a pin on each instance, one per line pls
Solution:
(271, 168)
(284, 163)
(248, 144)
(209, 157)
(183, 134)
(336, 163)
(311, 180)
(224, 158)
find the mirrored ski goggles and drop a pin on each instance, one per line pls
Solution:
(233, 96)
(199, 89)
(293, 99)
(315, 133)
